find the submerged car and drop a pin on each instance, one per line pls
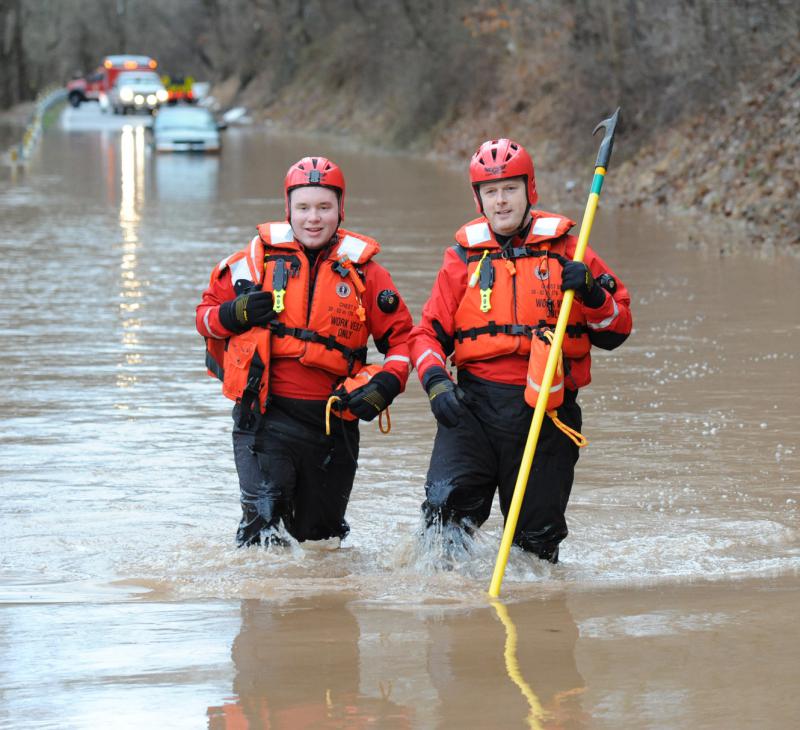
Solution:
(136, 91)
(186, 129)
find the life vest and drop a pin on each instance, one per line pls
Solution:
(512, 292)
(327, 332)
(246, 364)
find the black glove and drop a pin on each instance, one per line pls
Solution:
(369, 400)
(576, 275)
(445, 396)
(253, 309)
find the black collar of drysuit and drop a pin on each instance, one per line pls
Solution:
(319, 254)
(315, 258)
(518, 237)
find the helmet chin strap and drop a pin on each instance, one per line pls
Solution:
(521, 230)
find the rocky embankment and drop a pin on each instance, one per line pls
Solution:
(734, 166)
(729, 168)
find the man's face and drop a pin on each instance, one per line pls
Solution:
(504, 204)
(314, 215)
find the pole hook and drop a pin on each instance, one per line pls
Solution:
(610, 126)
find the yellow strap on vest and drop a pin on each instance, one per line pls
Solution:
(578, 439)
(388, 421)
(473, 280)
(486, 294)
(335, 399)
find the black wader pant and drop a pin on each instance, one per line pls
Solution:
(483, 453)
(249, 472)
(290, 470)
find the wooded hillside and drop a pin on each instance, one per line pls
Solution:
(705, 85)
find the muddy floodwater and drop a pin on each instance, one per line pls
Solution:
(124, 603)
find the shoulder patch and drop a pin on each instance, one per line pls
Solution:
(388, 301)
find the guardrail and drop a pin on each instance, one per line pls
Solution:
(19, 154)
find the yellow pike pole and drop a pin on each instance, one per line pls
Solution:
(601, 165)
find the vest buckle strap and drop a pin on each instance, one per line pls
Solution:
(520, 330)
(307, 335)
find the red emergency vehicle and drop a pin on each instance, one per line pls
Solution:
(100, 81)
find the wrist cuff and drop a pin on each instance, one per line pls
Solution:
(595, 298)
(227, 317)
(434, 375)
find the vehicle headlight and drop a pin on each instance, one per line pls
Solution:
(162, 94)
(151, 99)
(139, 99)
(126, 94)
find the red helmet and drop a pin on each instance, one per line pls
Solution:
(500, 159)
(315, 171)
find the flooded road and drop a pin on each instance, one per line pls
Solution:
(122, 592)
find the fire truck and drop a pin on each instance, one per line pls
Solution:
(100, 81)
(179, 88)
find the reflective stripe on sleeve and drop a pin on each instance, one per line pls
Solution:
(253, 258)
(426, 354)
(207, 325)
(398, 358)
(607, 321)
(241, 270)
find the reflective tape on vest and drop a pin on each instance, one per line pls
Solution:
(538, 388)
(478, 233)
(351, 247)
(545, 226)
(281, 233)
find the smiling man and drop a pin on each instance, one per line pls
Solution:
(500, 286)
(286, 321)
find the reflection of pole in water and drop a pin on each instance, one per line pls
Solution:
(537, 713)
(131, 202)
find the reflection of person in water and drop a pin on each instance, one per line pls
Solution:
(297, 666)
(531, 677)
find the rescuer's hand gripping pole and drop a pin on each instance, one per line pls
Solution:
(601, 165)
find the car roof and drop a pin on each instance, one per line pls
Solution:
(183, 110)
(120, 60)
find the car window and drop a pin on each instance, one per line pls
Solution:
(136, 79)
(175, 118)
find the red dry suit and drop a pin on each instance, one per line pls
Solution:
(487, 299)
(327, 311)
